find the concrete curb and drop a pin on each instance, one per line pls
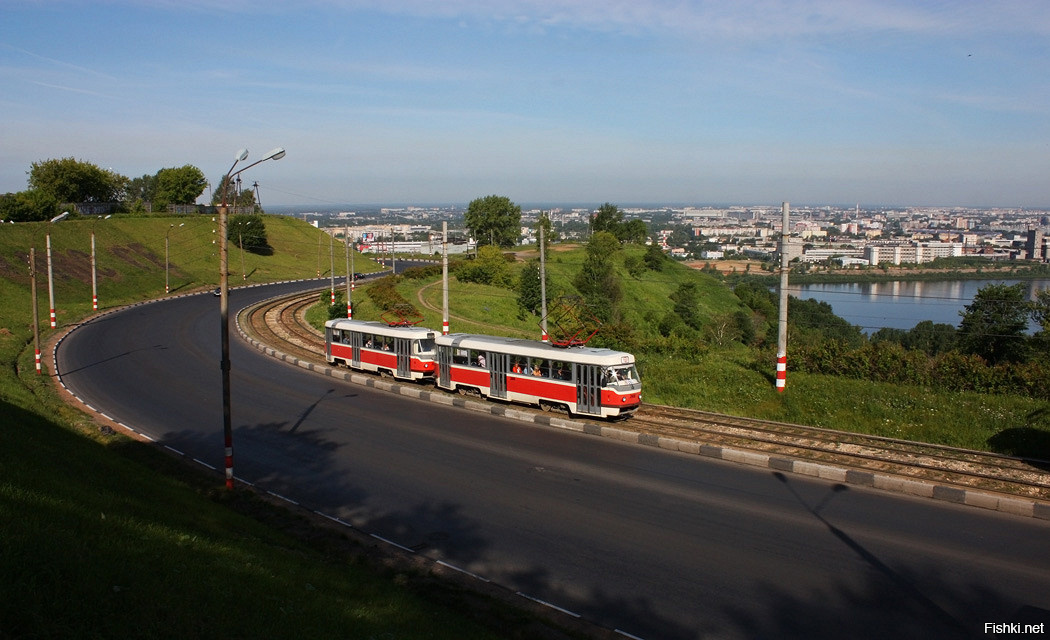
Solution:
(883, 482)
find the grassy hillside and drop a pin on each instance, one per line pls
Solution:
(106, 537)
(700, 373)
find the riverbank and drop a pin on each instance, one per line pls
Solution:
(736, 269)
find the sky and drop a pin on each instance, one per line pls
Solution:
(887, 102)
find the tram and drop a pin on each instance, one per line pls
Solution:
(403, 352)
(579, 380)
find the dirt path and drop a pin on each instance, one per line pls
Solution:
(422, 301)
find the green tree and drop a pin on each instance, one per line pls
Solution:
(141, 189)
(1041, 314)
(494, 220)
(248, 231)
(530, 295)
(993, 326)
(633, 231)
(242, 198)
(608, 218)
(490, 267)
(931, 338)
(597, 281)
(27, 206)
(71, 180)
(182, 185)
(655, 258)
(687, 304)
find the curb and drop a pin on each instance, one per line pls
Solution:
(884, 482)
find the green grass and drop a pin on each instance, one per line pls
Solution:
(107, 537)
(740, 381)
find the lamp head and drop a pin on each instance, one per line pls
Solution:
(241, 155)
(275, 154)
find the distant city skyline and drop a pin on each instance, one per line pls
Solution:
(894, 102)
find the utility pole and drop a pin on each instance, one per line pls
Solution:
(94, 276)
(543, 282)
(331, 259)
(444, 278)
(350, 271)
(782, 334)
(36, 316)
(50, 283)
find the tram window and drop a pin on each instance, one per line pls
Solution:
(619, 376)
(337, 336)
(460, 356)
(477, 358)
(425, 345)
(369, 342)
(561, 370)
(539, 368)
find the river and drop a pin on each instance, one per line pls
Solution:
(902, 305)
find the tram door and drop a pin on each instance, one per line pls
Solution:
(498, 368)
(355, 348)
(588, 388)
(444, 357)
(403, 349)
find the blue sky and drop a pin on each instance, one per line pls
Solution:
(584, 101)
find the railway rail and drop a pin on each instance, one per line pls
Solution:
(281, 324)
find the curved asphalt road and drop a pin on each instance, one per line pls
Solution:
(653, 543)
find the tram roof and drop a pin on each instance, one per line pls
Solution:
(381, 328)
(535, 349)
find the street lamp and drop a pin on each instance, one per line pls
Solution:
(94, 272)
(224, 304)
(167, 234)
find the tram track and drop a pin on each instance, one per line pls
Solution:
(281, 324)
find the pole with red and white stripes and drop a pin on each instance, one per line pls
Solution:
(36, 315)
(444, 278)
(51, 284)
(349, 272)
(543, 282)
(94, 272)
(782, 335)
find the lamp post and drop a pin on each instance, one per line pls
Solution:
(167, 235)
(94, 272)
(224, 305)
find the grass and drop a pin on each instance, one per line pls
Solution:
(104, 536)
(107, 537)
(737, 380)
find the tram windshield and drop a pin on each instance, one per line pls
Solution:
(620, 376)
(424, 346)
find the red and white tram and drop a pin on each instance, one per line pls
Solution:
(404, 352)
(580, 380)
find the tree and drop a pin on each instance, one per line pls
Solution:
(181, 185)
(931, 338)
(530, 296)
(597, 281)
(993, 326)
(608, 218)
(249, 232)
(687, 304)
(71, 180)
(27, 206)
(490, 267)
(633, 231)
(242, 199)
(654, 257)
(141, 189)
(494, 220)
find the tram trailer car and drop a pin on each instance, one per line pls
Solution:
(403, 352)
(579, 380)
